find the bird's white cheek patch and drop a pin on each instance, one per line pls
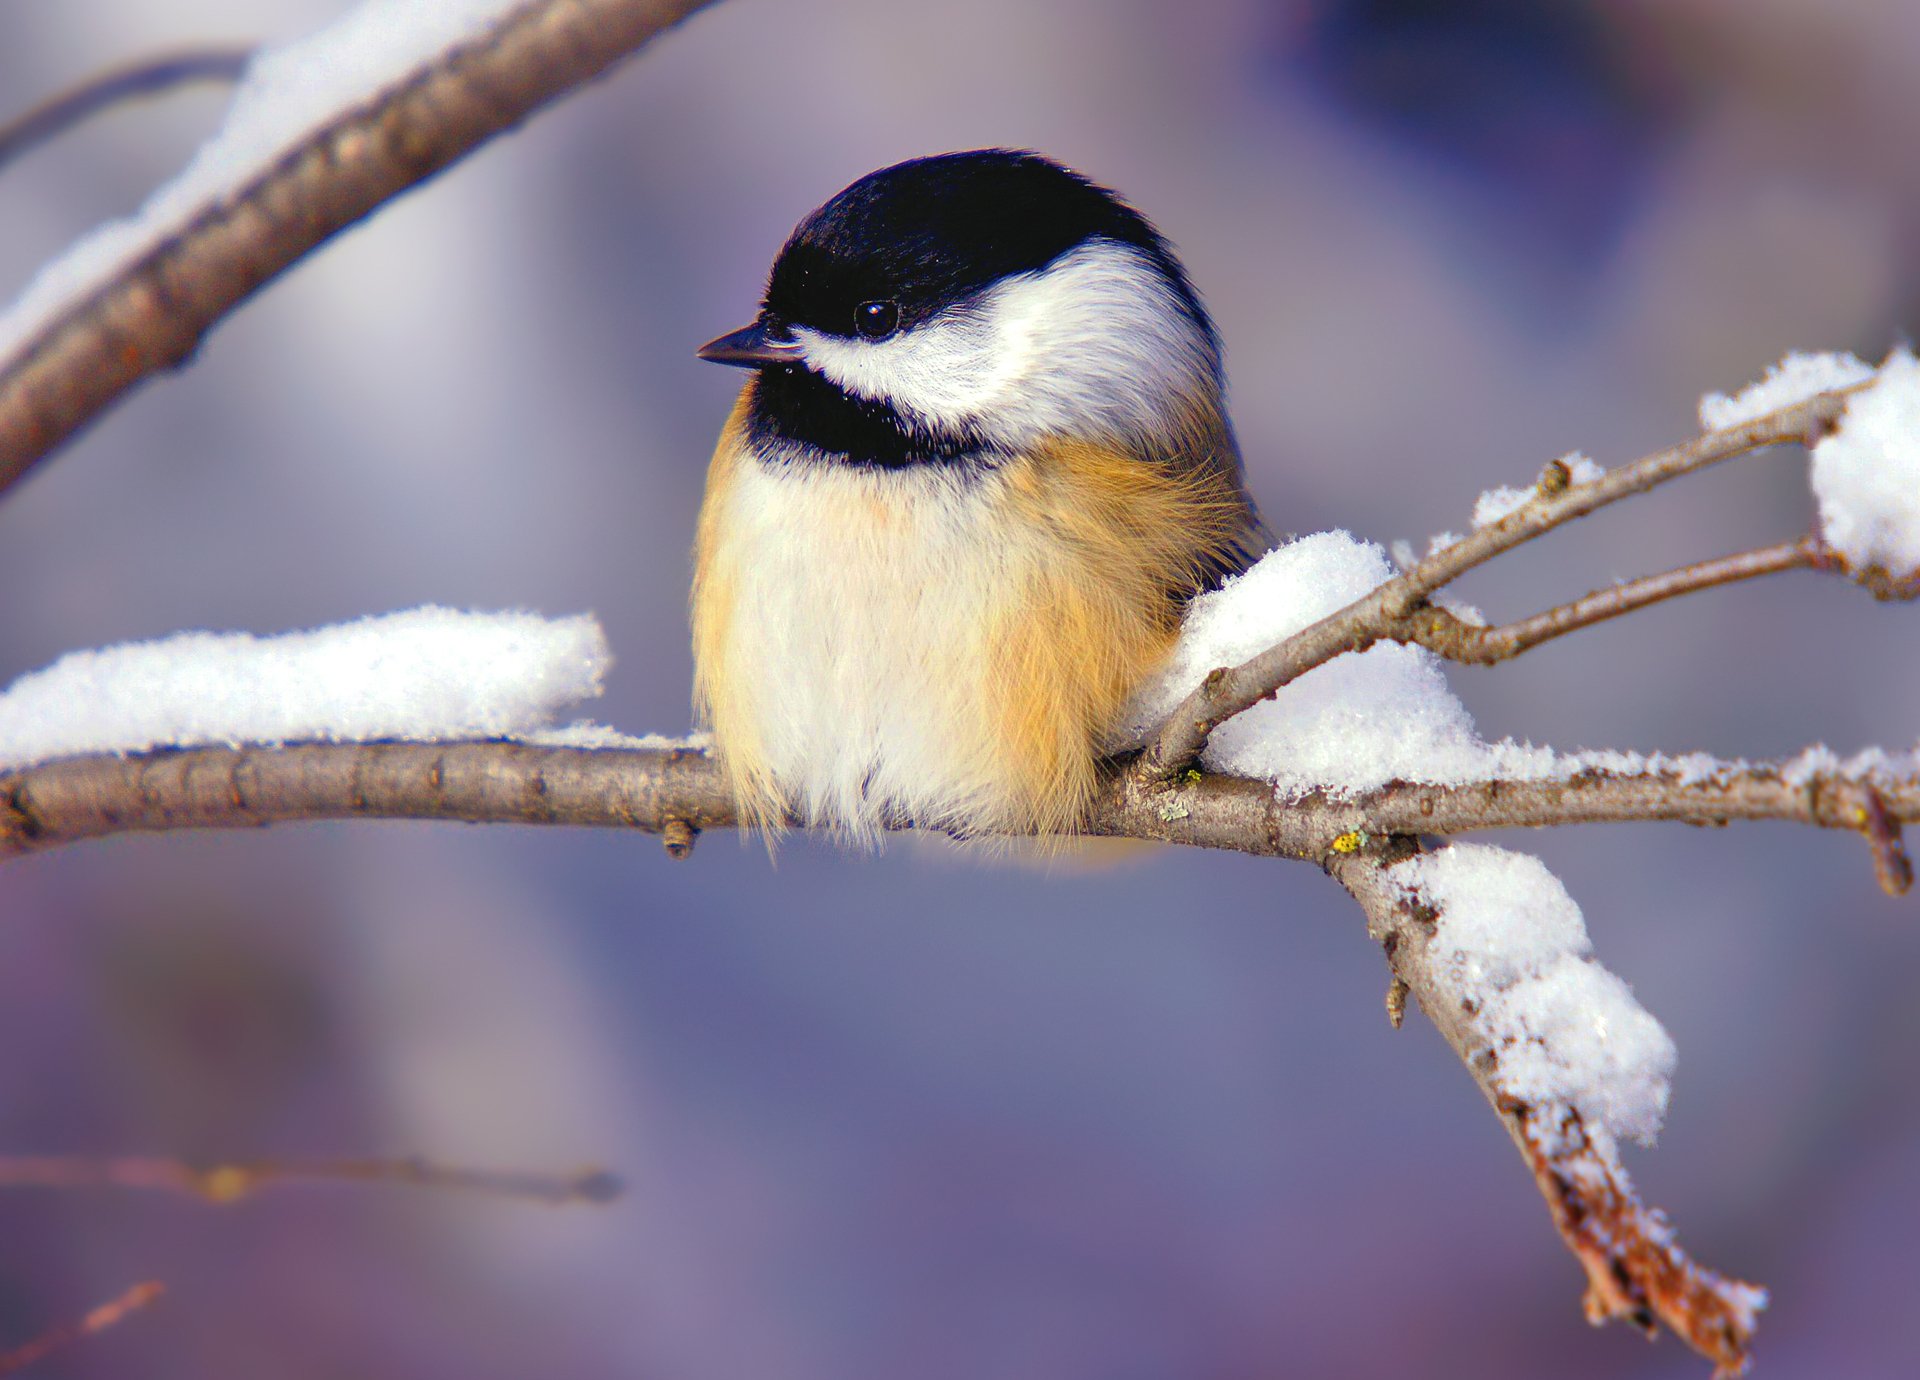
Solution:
(1096, 344)
(947, 371)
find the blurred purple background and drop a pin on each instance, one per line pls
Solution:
(912, 1116)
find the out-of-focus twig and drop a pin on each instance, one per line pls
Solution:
(151, 314)
(98, 1320)
(230, 1182)
(151, 76)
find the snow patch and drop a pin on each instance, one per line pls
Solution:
(1793, 380)
(1866, 473)
(1351, 725)
(428, 674)
(1511, 946)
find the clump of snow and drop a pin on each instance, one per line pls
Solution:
(1583, 469)
(1351, 725)
(1794, 379)
(1511, 946)
(426, 674)
(1497, 503)
(1866, 473)
(1362, 720)
(288, 92)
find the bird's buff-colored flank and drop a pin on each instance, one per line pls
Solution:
(946, 645)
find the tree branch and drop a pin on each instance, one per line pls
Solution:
(96, 1320)
(1387, 613)
(1635, 1268)
(678, 792)
(232, 1181)
(151, 76)
(154, 311)
(1448, 635)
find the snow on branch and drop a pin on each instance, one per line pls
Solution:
(425, 674)
(1866, 474)
(1495, 951)
(1794, 379)
(322, 132)
(1866, 477)
(1510, 948)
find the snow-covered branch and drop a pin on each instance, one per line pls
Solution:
(1495, 952)
(304, 154)
(1401, 609)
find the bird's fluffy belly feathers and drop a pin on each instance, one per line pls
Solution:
(930, 644)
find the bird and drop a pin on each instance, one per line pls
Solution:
(980, 467)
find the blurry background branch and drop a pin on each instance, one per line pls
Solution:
(152, 314)
(151, 76)
(96, 1320)
(230, 1182)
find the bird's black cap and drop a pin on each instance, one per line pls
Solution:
(928, 233)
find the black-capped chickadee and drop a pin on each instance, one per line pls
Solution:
(981, 467)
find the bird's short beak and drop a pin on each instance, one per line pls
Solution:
(750, 348)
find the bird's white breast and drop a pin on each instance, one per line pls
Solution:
(853, 660)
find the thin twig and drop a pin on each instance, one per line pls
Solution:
(230, 1182)
(152, 313)
(98, 1320)
(1867, 808)
(1452, 637)
(1228, 691)
(151, 76)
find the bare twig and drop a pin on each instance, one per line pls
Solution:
(1452, 637)
(1635, 1269)
(153, 312)
(1228, 691)
(230, 1182)
(1867, 808)
(87, 797)
(98, 1320)
(150, 76)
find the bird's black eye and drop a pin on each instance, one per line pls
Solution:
(877, 320)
